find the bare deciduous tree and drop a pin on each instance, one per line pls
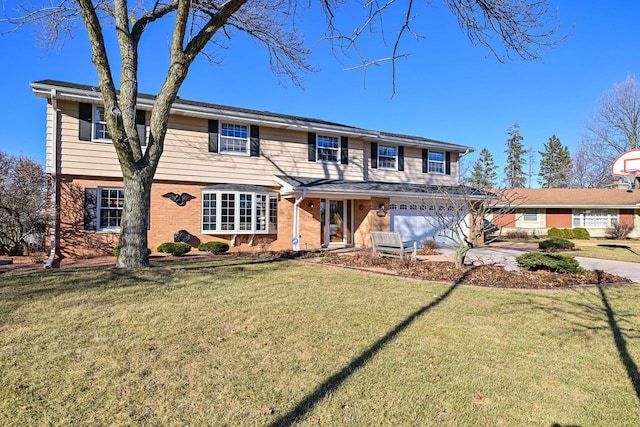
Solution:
(466, 218)
(614, 129)
(508, 28)
(23, 214)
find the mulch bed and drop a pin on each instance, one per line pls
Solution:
(476, 275)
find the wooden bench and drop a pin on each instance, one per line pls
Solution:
(390, 244)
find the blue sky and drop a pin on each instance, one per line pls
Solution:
(447, 89)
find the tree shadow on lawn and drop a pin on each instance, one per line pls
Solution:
(589, 315)
(307, 404)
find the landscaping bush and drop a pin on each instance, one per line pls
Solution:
(175, 249)
(517, 235)
(553, 245)
(430, 244)
(558, 263)
(214, 247)
(568, 233)
(619, 231)
(116, 251)
(580, 233)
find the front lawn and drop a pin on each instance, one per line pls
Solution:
(261, 342)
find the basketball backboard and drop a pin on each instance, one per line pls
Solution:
(627, 164)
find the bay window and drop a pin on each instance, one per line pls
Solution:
(236, 212)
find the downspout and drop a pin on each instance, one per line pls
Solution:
(54, 180)
(295, 241)
(459, 157)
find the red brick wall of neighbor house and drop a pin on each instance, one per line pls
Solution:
(626, 217)
(507, 220)
(559, 218)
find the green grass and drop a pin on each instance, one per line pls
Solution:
(230, 342)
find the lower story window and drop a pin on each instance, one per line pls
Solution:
(530, 215)
(110, 205)
(237, 212)
(595, 218)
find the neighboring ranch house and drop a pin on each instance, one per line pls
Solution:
(254, 179)
(596, 209)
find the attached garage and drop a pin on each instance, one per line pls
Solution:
(417, 222)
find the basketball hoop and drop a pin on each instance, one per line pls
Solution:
(627, 164)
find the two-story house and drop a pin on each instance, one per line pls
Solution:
(250, 178)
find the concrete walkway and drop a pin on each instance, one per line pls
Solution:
(507, 255)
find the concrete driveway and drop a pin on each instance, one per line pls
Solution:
(507, 255)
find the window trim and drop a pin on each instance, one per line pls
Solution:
(247, 140)
(395, 158)
(237, 224)
(530, 212)
(437, 162)
(99, 227)
(338, 149)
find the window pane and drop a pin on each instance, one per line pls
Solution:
(100, 124)
(436, 162)
(233, 139)
(273, 213)
(209, 212)
(328, 148)
(246, 212)
(530, 215)
(227, 212)
(111, 204)
(387, 156)
(261, 212)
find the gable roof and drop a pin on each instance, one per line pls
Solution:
(572, 198)
(91, 94)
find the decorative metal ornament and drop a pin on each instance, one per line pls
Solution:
(180, 199)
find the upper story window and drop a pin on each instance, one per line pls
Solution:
(110, 205)
(100, 130)
(387, 157)
(328, 149)
(436, 162)
(231, 212)
(234, 139)
(92, 123)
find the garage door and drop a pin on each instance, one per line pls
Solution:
(414, 222)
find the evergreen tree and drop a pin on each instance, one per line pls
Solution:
(556, 165)
(514, 174)
(483, 172)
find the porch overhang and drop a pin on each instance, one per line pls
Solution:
(294, 186)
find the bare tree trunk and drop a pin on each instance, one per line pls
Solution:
(133, 228)
(461, 255)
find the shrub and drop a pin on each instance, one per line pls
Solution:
(214, 247)
(116, 251)
(548, 261)
(552, 245)
(430, 244)
(175, 249)
(568, 233)
(580, 233)
(517, 235)
(619, 231)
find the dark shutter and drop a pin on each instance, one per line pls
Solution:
(311, 146)
(425, 160)
(401, 158)
(344, 150)
(85, 113)
(255, 141)
(213, 136)
(141, 125)
(447, 163)
(374, 155)
(90, 208)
